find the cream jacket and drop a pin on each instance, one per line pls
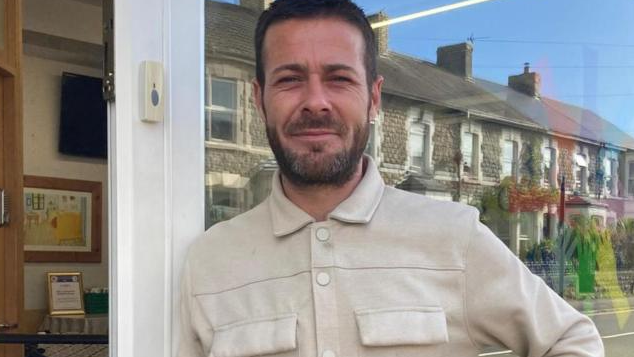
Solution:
(389, 273)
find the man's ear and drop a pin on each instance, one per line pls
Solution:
(257, 93)
(375, 97)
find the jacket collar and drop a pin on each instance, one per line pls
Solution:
(359, 207)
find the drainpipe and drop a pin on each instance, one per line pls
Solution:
(562, 241)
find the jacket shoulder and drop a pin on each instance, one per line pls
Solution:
(442, 228)
(234, 232)
(432, 209)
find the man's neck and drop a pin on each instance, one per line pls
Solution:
(319, 201)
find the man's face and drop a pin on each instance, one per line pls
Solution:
(316, 103)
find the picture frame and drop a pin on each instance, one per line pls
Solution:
(62, 220)
(65, 294)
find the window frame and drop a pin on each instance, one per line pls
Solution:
(630, 178)
(210, 108)
(373, 146)
(611, 190)
(551, 180)
(509, 134)
(513, 160)
(581, 183)
(421, 121)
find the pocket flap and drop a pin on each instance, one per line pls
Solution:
(402, 326)
(255, 337)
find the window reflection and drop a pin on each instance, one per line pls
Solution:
(494, 136)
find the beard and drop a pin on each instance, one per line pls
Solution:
(316, 167)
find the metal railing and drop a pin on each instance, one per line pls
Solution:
(31, 341)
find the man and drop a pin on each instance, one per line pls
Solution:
(334, 263)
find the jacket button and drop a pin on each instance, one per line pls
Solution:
(323, 234)
(323, 279)
(328, 353)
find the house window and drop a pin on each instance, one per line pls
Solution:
(548, 160)
(371, 146)
(469, 153)
(526, 225)
(549, 222)
(417, 145)
(610, 176)
(598, 221)
(419, 139)
(220, 109)
(607, 176)
(509, 155)
(37, 201)
(581, 173)
(222, 203)
(630, 179)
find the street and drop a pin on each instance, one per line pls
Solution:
(615, 324)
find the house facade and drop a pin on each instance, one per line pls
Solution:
(441, 132)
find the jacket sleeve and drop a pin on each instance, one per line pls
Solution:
(189, 344)
(506, 305)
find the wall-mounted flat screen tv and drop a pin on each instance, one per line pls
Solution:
(83, 127)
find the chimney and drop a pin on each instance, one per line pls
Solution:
(457, 59)
(380, 34)
(528, 82)
(256, 5)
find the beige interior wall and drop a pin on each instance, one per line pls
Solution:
(42, 81)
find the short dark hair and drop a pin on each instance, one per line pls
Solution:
(281, 10)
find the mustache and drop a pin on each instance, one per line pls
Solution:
(309, 121)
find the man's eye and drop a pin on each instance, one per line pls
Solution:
(341, 79)
(288, 79)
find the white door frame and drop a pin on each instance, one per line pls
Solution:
(156, 172)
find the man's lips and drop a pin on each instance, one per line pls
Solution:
(314, 134)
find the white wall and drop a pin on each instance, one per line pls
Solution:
(157, 172)
(41, 83)
(64, 18)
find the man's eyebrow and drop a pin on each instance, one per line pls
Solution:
(290, 67)
(301, 68)
(339, 67)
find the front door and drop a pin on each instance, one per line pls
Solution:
(11, 248)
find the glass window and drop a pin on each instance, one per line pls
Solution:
(509, 154)
(607, 176)
(467, 152)
(223, 203)
(417, 146)
(598, 221)
(527, 224)
(371, 147)
(487, 109)
(549, 221)
(548, 164)
(581, 173)
(630, 179)
(220, 115)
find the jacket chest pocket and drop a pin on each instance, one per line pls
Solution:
(402, 331)
(272, 336)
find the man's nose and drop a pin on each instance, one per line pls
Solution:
(316, 100)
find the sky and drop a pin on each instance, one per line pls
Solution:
(583, 49)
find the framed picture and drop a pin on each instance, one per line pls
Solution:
(65, 294)
(62, 220)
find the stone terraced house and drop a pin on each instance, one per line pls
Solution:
(441, 133)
